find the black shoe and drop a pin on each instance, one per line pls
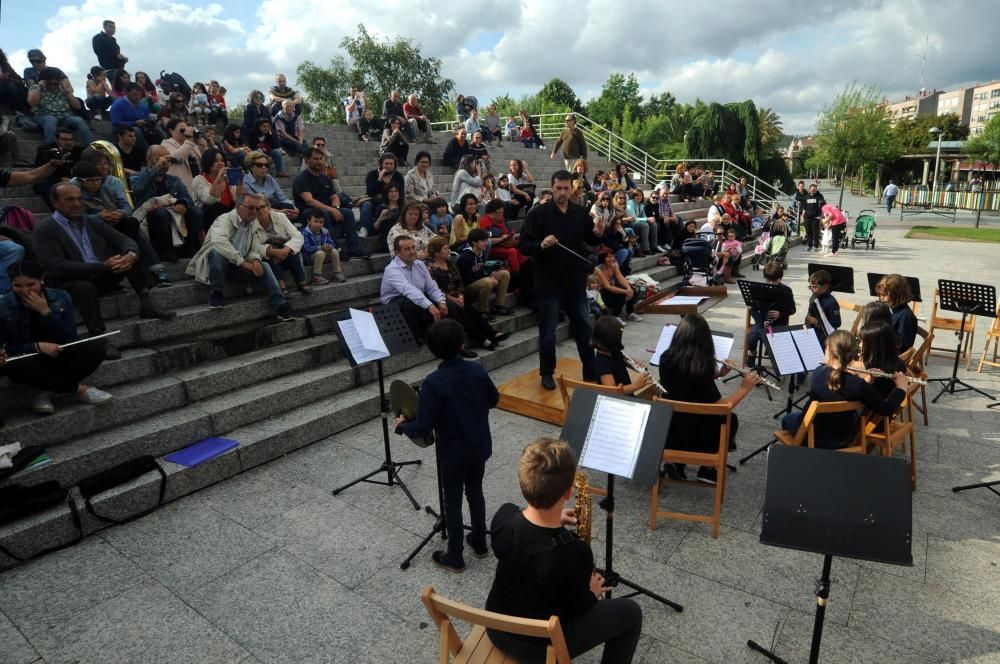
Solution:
(149, 309)
(477, 551)
(468, 354)
(215, 300)
(707, 475)
(732, 446)
(286, 314)
(501, 336)
(501, 310)
(440, 558)
(548, 382)
(675, 472)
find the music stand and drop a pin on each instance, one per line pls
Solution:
(398, 339)
(965, 298)
(914, 283)
(759, 297)
(841, 276)
(587, 429)
(794, 350)
(836, 504)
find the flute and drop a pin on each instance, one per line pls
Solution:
(71, 343)
(638, 368)
(763, 381)
(878, 373)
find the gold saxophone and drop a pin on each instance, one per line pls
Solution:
(583, 506)
(117, 169)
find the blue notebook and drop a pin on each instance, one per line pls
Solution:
(201, 451)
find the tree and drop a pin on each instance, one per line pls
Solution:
(986, 146)
(770, 129)
(506, 105)
(377, 66)
(618, 93)
(729, 131)
(663, 104)
(913, 134)
(558, 92)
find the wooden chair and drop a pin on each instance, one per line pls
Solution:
(952, 324)
(888, 432)
(807, 430)
(477, 647)
(715, 460)
(915, 359)
(747, 323)
(856, 308)
(993, 334)
(567, 385)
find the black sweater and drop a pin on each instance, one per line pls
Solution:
(557, 271)
(836, 430)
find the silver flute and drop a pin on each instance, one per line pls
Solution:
(638, 368)
(763, 381)
(878, 373)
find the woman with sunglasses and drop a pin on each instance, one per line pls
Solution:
(643, 225)
(259, 181)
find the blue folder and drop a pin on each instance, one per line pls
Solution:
(201, 451)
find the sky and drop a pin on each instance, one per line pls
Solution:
(791, 60)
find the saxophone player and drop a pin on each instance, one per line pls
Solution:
(544, 570)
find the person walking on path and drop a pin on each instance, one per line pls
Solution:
(890, 193)
(573, 142)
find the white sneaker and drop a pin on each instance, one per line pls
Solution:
(634, 317)
(43, 404)
(362, 233)
(94, 396)
(620, 320)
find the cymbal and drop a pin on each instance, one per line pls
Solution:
(403, 399)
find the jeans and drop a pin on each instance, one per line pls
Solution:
(792, 421)
(293, 146)
(99, 103)
(454, 477)
(49, 124)
(890, 202)
(349, 224)
(623, 256)
(279, 161)
(647, 235)
(575, 305)
(219, 268)
(10, 252)
(292, 264)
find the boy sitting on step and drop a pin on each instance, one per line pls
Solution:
(318, 247)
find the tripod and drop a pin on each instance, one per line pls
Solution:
(966, 298)
(389, 467)
(611, 577)
(822, 594)
(792, 403)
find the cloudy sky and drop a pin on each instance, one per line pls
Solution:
(772, 51)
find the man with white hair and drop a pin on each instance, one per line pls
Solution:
(393, 108)
(290, 129)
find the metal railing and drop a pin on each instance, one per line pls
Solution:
(921, 197)
(644, 167)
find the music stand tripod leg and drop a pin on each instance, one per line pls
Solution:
(981, 485)
(762, 448)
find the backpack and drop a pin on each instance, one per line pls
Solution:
(15, 216)
(174, 82)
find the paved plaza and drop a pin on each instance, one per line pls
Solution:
(269, 567)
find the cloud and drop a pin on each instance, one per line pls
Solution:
(780, 53)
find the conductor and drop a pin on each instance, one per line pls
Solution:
(555, 235)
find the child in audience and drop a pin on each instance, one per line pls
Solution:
(594, 301)
(199, 108)
(824, 311)
(894, 290)
(778, 312)
(734, 248)
(609, 363)
(441, 218)
(318, 247)
(826, 239)
(511, 128)
(833, 382)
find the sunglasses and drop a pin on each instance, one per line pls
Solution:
(260, 164)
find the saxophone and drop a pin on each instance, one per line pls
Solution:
(582, 507)
(117, 169)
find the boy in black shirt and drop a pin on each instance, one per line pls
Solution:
(812, 210)
(824, 311)
(779, 312)
(544, 570)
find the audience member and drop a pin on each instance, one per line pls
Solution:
(290, 129)
(464, 106)
(407, 283)
(419, 180)
(280, 93)
(233, 147)
(263, 140)
(375, 181)
(466, 219)
(149, 92)
(182, 150)
(119, 84)
(441, 218)
(173, 220)
(313, 189)
(355, 107)
(319, 248)
(479, 152)
(198, 106)
(467, 180)
(387, 211)
(616, 292)
(480, 285)
(522, 182)
(410, 223)
(644, 227)
(216, 104)
(13, 91)
(393, 108)
(99, 97)
(503, 242)
(394, 142)
(259, 181)
(456, 148)
(63, 152)
(418, 121)
(235, 247)
(53, 101)
(175, 108)
(37, 319)
(529, 136)
(283, 248)
(133, 155)
(572, 141)
(492, 125)
(39, 64)
(109, 54)
(211, 190)
(255, 110)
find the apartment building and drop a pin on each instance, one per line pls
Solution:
(985, 105)
(958, 102)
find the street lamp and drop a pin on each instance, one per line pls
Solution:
(937, 160)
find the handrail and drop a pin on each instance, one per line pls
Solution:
(646, 168)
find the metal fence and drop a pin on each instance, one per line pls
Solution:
(922, 197)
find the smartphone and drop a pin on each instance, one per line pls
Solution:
(234, 176)
(175, 160)
(54, 154)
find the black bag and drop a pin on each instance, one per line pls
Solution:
(117, 475)
(174, 82)
(20, 461)
(18, 501)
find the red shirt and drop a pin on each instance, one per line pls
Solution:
(412, 110)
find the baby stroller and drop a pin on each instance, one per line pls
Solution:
(864, 229)
(776, 250)
(698, 268)
(758, 251)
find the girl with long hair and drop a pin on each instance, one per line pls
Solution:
(609, 361)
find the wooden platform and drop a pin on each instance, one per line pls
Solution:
(660, 302)
(525, 395)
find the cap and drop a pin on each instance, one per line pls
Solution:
(35, 54)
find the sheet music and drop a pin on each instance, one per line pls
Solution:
(371, 338)
(723, 345)
(809, 349)
(786, 357)
(615, 436)
(686, 299)
(666, 338)
(355, 345)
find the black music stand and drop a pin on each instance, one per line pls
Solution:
(759, 297)
(965, 298)
(398, 339)
(836, 504)
(914, 283)
(644, 466)
(841, 276)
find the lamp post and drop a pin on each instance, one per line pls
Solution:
(937, 160)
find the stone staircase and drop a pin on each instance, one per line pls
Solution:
(233, 372)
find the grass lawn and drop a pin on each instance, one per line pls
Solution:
(958, 234)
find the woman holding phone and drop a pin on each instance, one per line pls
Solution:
(259, 181)
(213, 189)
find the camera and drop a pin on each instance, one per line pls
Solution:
(175, 160)
(197, 133)
(54, 154)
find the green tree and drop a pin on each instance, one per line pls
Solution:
(558, 92)
(770, 129)
(663, 104)
(377, 66)
(913, 134)
(986, 146)
(506, 105)
(730, 131)
(618, 93)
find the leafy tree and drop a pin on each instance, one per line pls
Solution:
(377, 66)
(506, 105)
(913, 134)
(663, 104)
(729, 131)
(618, 92)
(986, 146)
(558, 91)
(854, 131)
(770, 129)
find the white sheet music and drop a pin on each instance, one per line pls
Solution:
(371, 338)
(363, 350)
(666, 337)
(686, 299)
(723, 345)
(785, 355)
(615, 436)
(810, 350)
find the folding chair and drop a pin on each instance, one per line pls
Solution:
(993, 334)
(888, 432)
(807, 430)
(915, 360)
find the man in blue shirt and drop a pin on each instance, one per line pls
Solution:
(407, 282)
(455, 402)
